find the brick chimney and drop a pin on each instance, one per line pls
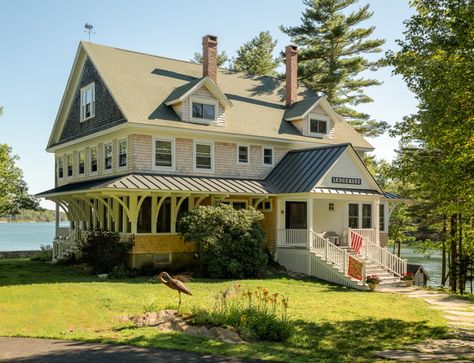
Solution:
(209, 57)
(291, 53)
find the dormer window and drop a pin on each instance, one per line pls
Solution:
(203, 111)
(88, 102)
(317, 126)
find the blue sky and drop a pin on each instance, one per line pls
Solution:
(38, 42)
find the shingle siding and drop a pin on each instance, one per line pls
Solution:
(107, 113)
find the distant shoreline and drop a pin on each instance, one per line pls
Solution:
(18, 254)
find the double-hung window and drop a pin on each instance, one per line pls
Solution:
(60, 167)
(69, 164)
(108, 156)
(81, 157)
(164, 154)
(122, 145)
(243, 154)
(366, 215)
(88, 101)
(203, 155)
(267, 156)
(201, 111)
(317, 126)
(93, 156)
(354, 215)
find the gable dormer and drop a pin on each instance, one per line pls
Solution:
(200, 101)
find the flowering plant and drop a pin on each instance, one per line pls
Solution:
(372, 279)
(407, 277)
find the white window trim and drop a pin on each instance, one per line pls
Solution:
(319, 117)
(199, 170)
(360, 203)
(90, 160)
(78, 162)
(57, 167)
(263, 156)
(263, 209)
(83, 89)
(205, 121)
(103, 157)
(173, 155)
(118, 153)
(67, 166)
(248, 154)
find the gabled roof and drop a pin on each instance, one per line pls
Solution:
(181, 93)
(300, 109)
(141, 84)
(301, 170)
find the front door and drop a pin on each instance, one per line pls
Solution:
(295, 215)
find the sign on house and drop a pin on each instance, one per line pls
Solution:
(345, 180)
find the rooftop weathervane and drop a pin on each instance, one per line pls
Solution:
(88, 29)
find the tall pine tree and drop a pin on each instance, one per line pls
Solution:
(256, 56)
(331, 57)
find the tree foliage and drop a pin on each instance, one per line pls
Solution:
(222, 58)
(229, 242)
(256, 56)
(331, 58)
(13, 189)
(436, 156)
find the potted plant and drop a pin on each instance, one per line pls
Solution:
(408, 279)
(372, 281)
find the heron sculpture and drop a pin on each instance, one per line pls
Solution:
(176, 283)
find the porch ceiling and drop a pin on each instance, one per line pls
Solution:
(166, 183)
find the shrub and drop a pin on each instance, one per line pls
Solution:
(256, 314)
(103, 250)
(372, 279)
(229, 242)
(407, 277)
(45, 254)
(121, 272)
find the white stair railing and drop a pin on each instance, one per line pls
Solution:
(333, 254)
(380, 255)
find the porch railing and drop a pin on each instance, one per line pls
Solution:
(333, 254)
(381, 256)
(367, 233)
(292, 238)
(63, 246)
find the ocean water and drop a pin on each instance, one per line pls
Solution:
(25, 236)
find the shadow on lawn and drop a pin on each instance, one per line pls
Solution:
(344, 341)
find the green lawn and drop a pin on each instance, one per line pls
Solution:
(333, 324)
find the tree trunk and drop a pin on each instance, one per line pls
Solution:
(443, 254)
(399, 248)
(453, 253)
(462, 262)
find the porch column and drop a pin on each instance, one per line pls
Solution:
(376, 220)
(173, 214)
(309, 223)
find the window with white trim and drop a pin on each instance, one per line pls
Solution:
(267, 156)
(88, 102)
(108, 156)
(60, 167)
(81, 158)
(354, 215)
(263, 206)
(203, 111)
(366, 215)
(164, 154)
(93, 159)
(69, 164)
(243, 154)
(317, 126)
(122, 157)
(203, 155)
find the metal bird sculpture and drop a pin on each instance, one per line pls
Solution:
(176, 283)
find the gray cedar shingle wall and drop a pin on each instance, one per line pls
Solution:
(107, 113)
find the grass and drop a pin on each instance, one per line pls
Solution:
(332, 323)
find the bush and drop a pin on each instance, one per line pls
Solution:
(45, 255)
(103, 250)
(229, 242)
(257, 315)
(121, 272)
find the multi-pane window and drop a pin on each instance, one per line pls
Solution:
(69, 164)
(108, 156)
(88, 102)
(353, 215)
(122, 144)
(93, 151)
(164, 154)
(318, 126)
(366, 215)
(382, 217)
(331, 206)
(267, 156)
(203, 111)
(265, 206)
(60, 167)
(243, 154)
(81, 157)
(203, 156)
